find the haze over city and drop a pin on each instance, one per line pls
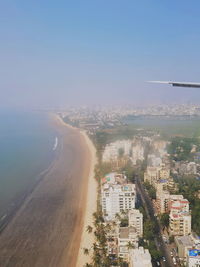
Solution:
(55, 54)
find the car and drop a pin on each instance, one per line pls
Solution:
(174, 260)
(163, 258)
(171, 253)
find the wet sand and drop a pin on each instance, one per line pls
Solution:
(46, 230)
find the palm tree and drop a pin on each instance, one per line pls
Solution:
(124, 212)
(114, 223)
(117, 216)
(89, 229)
(86, 251)
(108, 227)
(130, 245)
(88, 265)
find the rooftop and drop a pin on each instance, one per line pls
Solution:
(124, 232)
(185, 241)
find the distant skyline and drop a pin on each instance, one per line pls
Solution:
(59, 53)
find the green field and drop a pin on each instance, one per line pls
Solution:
(167, 127)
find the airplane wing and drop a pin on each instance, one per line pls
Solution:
(179, 84)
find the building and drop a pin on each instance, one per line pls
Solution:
(127, 236)
(183, 243)
(177, 204)
(114, 178)
(137, 153)
(154, 174)
(179, 217)
(140, 257)
(164, 172)
(111, 152)
(136, 220)
(172, 186)
(151, 175)
(117, 198)
(193, 258)
(154, 161)
(162, 201)
(180, 224)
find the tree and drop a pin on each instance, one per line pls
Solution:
(130, 245)
(124, 222)
(86, 251)
(118, 216)
(171, 239)
(164, 219)
(89, 229)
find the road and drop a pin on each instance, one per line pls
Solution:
(147, 203)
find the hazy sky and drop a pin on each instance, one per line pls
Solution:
(56, 53)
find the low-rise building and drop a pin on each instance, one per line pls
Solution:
(193, 258)
(140, 257)
(183, 243)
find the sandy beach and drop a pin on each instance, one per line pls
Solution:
(49, 228)
(87, 239)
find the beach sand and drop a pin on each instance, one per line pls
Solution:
(48, 228)
(87, 239)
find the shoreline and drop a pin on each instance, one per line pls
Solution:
(20, 201)
(91, 191)
(87, 239)
(48, 228)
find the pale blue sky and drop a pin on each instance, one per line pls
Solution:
(56, 53)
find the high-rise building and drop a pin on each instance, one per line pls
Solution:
(179, 217)
(136, 220)
(127, 236)
(117, 198)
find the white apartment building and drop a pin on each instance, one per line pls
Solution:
(111, 151)
(136, 220)
(140, 257)
(116, 198)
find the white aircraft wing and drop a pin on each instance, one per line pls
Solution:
(179, 84)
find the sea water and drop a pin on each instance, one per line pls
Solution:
(27, 148)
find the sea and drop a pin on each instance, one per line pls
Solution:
(28, 143)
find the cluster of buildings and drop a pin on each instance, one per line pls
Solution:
(167, 201)
(118, 198)
(133, 149)
(175, 205)
(186, 168)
